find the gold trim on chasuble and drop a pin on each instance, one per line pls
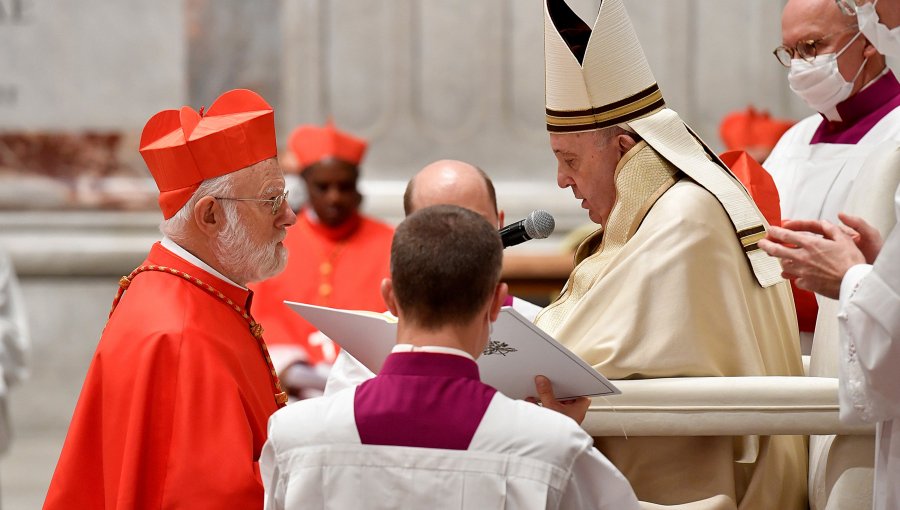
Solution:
(641, 177)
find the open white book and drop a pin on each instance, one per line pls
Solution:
(517, 351)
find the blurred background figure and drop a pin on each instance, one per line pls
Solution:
(337, 258)
(14, 343)
(752, 131)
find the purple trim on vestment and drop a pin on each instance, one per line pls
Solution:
(422, 399)
(860, 112)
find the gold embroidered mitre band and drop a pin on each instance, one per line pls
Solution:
(598, 78)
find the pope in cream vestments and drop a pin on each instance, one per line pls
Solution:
(673, 284)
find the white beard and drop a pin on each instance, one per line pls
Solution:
(243, 258)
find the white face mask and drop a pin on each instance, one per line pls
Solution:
(819, 83)
(885, 39)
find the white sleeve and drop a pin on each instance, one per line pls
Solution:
(870, 336)
(596, 483)
(14, 339)
(270, 472)
(346, 372)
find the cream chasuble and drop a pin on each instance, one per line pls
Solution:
(665, 291)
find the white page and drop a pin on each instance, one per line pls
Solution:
(536, 353)
(517, 352)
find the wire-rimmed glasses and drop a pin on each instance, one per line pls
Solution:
(806, 49)
(276, 201)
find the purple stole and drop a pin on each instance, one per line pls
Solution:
(860, 112)
(422, 399)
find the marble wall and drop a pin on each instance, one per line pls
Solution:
(421, 79)
(90, 64)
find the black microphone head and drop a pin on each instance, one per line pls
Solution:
(539, 224)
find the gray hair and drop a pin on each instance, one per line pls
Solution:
(627, 128)
(174, 227)
(611, 132)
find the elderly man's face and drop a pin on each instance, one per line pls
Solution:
(823, 22)
(587, 164)
(331, 186)
(250, 245)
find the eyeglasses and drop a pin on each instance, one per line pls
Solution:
(276, 202)
(805, 49)
(848, 7)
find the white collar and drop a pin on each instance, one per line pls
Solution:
(175, 248)
(431, 348)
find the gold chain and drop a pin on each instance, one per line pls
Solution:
(256, 329)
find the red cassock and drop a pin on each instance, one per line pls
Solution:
(338, 267)
(762, 188)
(758, 182)
(174, 407)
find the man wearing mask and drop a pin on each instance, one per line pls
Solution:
(840, 74)
(338, 257)
(862, 273)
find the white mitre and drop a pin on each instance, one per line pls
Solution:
(598, 78)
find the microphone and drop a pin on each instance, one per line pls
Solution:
(538, 225)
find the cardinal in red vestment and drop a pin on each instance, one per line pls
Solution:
(174, 406)
(338, 257)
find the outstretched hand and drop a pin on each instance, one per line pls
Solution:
(818, 262)
(575, 408)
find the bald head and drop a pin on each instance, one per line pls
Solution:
(451, 182)
(812, 19)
